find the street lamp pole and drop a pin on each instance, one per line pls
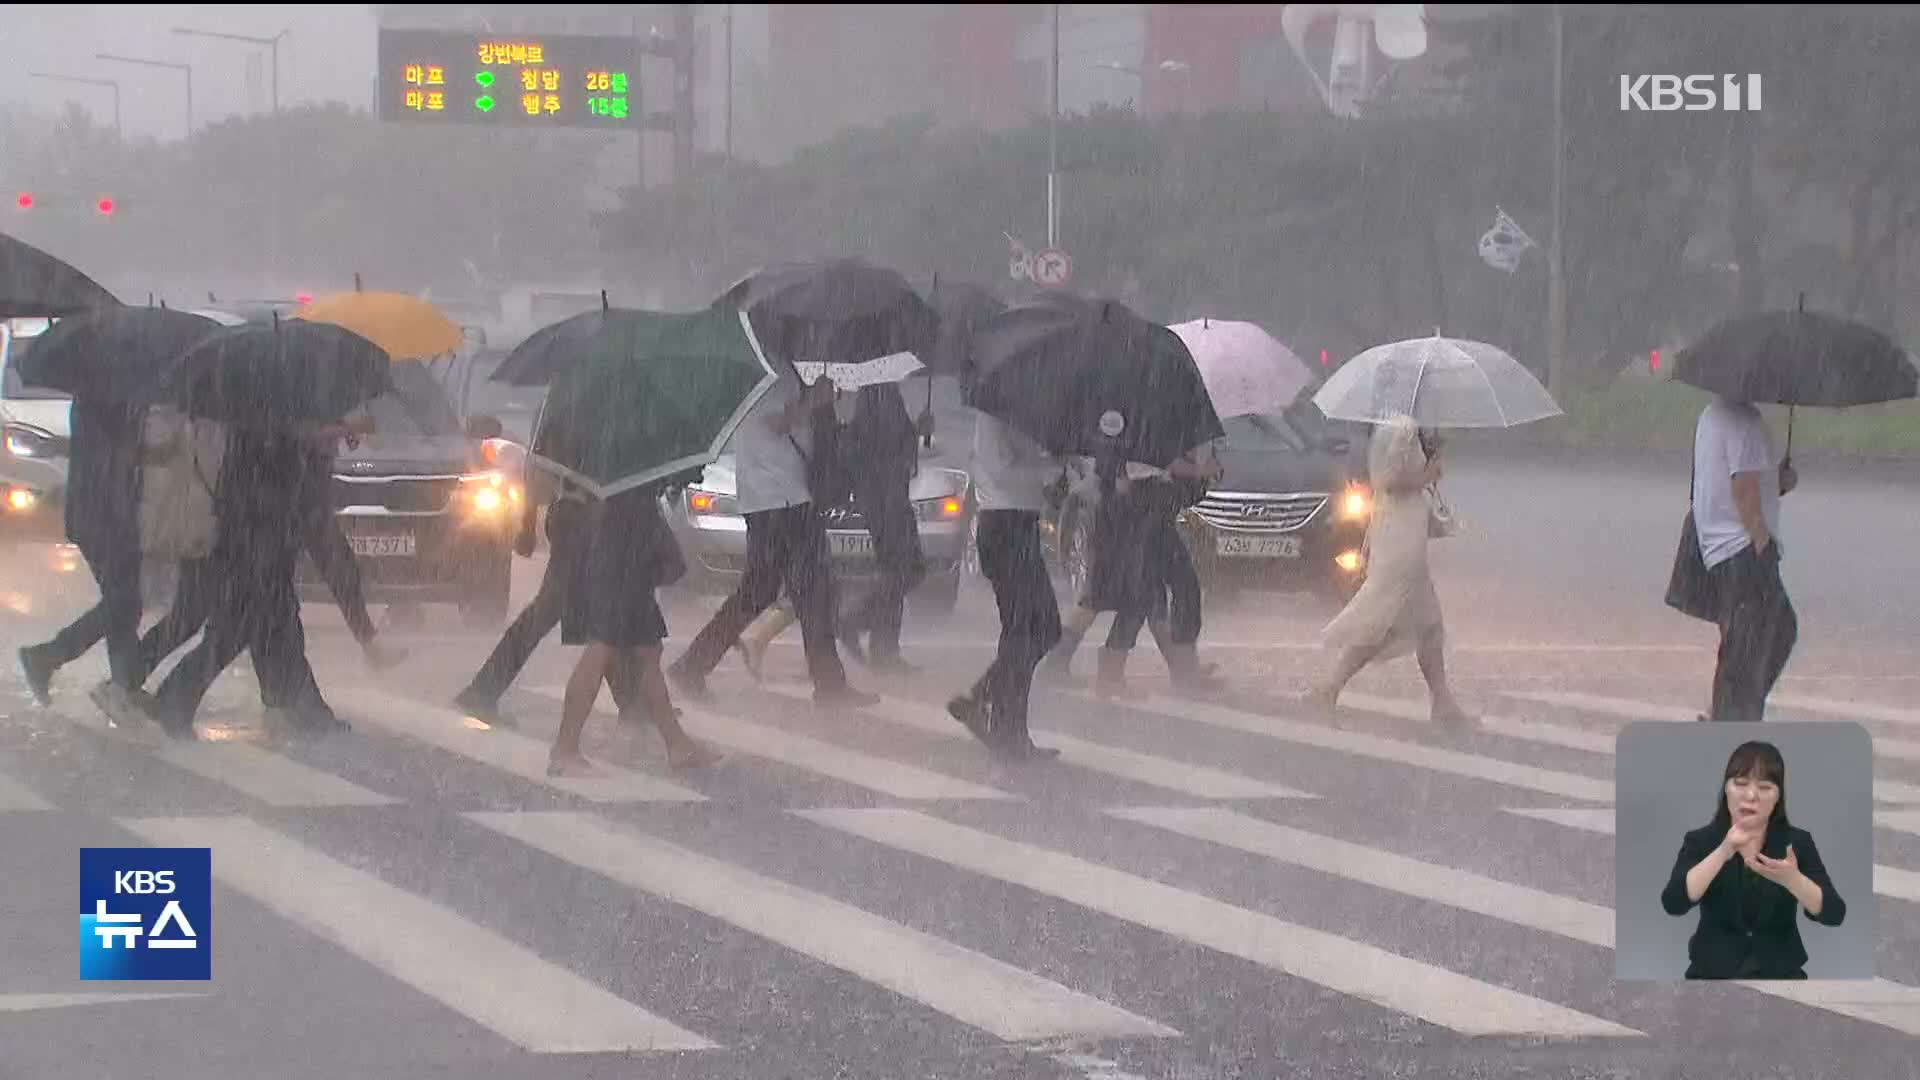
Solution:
(272, 44)
(1053, 140)
(1556, 256)
(108, 83)
(273, 190)
(185, 69)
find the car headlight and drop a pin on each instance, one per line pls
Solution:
(1355, 504)
(490, 493)
(704, 503)
(31, 442)
(20, 500)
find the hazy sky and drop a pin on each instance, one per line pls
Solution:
(328, 55)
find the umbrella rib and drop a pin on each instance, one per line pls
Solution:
(1494, 394)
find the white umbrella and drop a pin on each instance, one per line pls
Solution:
(1440, 382)
(885, 369)
(1247, 370)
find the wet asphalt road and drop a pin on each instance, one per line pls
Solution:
(1196, 890)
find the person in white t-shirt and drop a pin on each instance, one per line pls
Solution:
(786, 546)
(1738, 479)
(1010, 477)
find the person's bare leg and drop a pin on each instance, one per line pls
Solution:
(1432, 655)
(583, 686)
(1324, 697)
(683, 751)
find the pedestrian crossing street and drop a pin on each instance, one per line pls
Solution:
(1223, 844)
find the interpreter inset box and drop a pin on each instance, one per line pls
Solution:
(1743, 851)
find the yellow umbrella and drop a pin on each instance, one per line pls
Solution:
(407, 327)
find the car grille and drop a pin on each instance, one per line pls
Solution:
(1249, 512)
(411, 495)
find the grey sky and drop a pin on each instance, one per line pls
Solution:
(329, 55)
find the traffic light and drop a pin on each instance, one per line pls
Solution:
(104, 206)
(24, 200)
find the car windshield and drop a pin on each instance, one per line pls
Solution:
(417, 405)
(19, 338)
(1270, 431)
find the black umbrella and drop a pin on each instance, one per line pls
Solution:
(279, 376)
(1797, 358)
(1087, 376)
(114, 355)
(842, 311)
(33, 282)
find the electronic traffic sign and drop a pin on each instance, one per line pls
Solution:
(548, 80)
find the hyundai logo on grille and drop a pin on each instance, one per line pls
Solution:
(1257, 510)
(839, 514)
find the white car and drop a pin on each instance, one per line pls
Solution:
(706, 519)
(35, 430)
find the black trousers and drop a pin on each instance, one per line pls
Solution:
(253, 606)
(568, 542)
(897, 556)
(1183, 589)
(1011, 559)
(1758, 630)
(115, 616)
(332, 555)
(195, 597)
(784, 547)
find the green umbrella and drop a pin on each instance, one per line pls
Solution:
(650, 396)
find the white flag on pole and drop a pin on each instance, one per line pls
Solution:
(1502, 245)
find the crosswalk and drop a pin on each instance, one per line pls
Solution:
(1143, 832)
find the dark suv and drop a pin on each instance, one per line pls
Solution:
(430, 518)
(1290, 511)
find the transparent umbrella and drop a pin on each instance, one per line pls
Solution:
(1440, 382)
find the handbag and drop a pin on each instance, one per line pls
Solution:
(1689, 590)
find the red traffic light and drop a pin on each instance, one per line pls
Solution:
(105, 206)
(24, 200)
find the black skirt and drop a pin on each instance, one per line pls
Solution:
(1127, 567)
(610, 595)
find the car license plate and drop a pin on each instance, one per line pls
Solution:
(852, 543)
(378, 547)
(1260, 547)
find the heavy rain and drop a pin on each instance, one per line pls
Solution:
(548, 542)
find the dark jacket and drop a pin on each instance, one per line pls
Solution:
(1748, 928)
(103, 476)
(880, 442)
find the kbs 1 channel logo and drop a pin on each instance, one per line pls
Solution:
(1690, 93)
(146, 914)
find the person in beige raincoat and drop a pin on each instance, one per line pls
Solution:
(1396, 610)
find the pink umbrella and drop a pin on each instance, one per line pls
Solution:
(1247, 370)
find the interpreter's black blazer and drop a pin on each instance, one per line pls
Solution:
(1747, 926)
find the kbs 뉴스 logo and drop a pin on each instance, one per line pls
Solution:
(146, 914)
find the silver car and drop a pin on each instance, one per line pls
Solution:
(705, 516)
